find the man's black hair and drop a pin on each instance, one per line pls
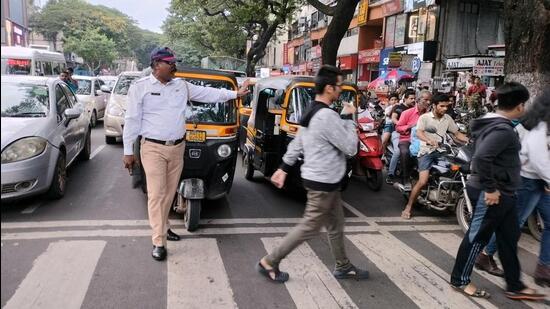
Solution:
(70, 70)
(327, 75)
(393, 95)
(440, 97)
(510, 95)
(408, 92)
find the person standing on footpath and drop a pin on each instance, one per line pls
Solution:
(535, 186)
(325, 141)
(156, 112)
(492, 189)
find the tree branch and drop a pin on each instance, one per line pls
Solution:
(325, 9)
(220, 12)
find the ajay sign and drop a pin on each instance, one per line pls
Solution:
(489, 67)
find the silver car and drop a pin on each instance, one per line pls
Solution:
(44, 130)
(113, 122)
(90, 94)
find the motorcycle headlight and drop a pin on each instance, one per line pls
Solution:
(224, 151)
(23, 149)
(116, 110)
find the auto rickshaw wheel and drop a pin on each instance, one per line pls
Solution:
(248, 167)
(192, 214)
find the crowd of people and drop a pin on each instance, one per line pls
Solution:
(510, 173)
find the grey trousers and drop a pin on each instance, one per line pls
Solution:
(322, 209)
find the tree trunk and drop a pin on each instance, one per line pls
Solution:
(338, 27)
(257, 51)
(527, 35)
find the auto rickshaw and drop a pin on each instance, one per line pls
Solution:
(245, 108)
(277, 107)
(211, 146)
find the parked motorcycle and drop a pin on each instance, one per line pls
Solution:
(370, 152)
(446, 188)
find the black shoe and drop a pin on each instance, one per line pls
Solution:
(159, 253)
(172, 236)
(390, 179)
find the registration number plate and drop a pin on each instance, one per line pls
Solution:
(195, 136)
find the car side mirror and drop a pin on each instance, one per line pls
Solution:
(99, 92)
(72, 113)
(106, 89)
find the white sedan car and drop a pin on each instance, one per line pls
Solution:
(90, 94)
(116, 108)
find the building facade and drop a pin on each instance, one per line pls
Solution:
(15, 23)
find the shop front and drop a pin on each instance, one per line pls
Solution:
(348, 65)
(368, 60)
(490, 69)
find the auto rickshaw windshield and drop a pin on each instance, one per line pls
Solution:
(211, 113)
(301, 98)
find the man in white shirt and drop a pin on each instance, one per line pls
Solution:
(156, 111)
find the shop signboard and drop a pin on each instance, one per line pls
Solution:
(411, 5)
(395, 60)
(416, 65)
(285, 53)
(407, 62)
(369, 56)
(455, 64)
(392, 7)
(488, 66)
(362, 17)
(400, 26)
(426, 51)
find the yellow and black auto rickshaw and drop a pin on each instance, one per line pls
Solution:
(277, 107)
(245, 108)
(211, 146)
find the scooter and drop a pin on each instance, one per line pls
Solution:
(370, 152)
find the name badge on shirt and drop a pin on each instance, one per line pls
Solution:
(155, 93)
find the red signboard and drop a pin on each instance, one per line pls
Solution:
(19, 62)
(348, 62)
(369, 56)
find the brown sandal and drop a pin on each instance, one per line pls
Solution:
(522, 295)
(479, 293)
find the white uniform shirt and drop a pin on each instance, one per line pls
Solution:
(157, 110)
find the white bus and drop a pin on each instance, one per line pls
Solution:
(30, 61)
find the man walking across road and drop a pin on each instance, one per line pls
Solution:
(156, 111)
(492, 189)
(324, 140)
(438, 120)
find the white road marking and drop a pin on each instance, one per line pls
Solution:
(354, 210)
(208, 231)
(450, 242)
(60, 277)
(31, 209)
(421, 280)
(197, 276)
(266, 221)
(98, 150)
(311, 284)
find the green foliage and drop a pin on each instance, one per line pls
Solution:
(74, 18)
(93, 46)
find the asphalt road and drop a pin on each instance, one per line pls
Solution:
(91, 249)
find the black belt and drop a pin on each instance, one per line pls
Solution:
(166, 143)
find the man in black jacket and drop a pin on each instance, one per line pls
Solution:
(491, 188)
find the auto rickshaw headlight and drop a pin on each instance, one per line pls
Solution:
(224, 151)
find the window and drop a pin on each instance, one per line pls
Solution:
(123, 84)
(352, 32)
(16, 66)
(70, 95)
(57, 68)
(22, 100)
(422, 25)
(48, 69)
(84, 87)
(97, 87)
(223, 112)
(314, 20)
(16, 11)
(300, 99)
(61, 102)
(39, 68)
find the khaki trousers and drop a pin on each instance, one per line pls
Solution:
(163, 166)
(322, 209)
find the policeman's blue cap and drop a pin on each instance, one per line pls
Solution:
(164, 54)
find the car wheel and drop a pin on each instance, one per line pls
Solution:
(87, 149)
(93, 119)
(110, 140)
(59, 181)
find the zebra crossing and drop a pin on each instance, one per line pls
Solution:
(216, 271)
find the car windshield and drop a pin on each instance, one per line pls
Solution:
(123, 84)
(23, 100)
(84, 87)
(211, 113)
(16, 66)
(302, 97)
